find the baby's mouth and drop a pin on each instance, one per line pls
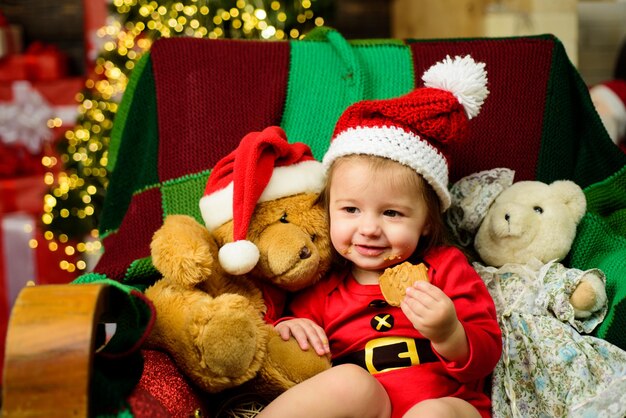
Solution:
(368, 250)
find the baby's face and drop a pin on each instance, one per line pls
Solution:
(375, 222)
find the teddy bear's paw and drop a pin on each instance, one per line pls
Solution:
(192, 267)
(183, 250)
(589, 296)
(187, 266)
(287, 364)
(230, 338)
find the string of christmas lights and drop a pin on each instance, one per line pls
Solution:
(77, 174)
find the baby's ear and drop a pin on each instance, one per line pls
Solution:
(572, 196)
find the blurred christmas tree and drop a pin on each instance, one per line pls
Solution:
(78, 181)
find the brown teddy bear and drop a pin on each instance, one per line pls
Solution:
(225, 284)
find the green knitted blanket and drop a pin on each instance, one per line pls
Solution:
(601, 243)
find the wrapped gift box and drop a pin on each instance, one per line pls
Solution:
(25, 109)
(40, 62)
(13, 67)
(17, 161)
(27, 256)
(19, 253)
(45, 62)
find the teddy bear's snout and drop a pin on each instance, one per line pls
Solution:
(507, 222)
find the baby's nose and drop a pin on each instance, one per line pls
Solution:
(369, 225)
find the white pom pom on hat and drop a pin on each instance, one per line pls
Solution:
(464, 78)
(264, 167)
(417, 128)
(238, 257)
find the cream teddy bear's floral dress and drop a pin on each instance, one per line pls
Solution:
(549, 367)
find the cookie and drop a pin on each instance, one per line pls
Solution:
(394, 281)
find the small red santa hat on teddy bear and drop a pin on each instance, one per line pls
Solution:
(264, 167)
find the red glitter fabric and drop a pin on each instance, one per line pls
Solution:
(163, 391)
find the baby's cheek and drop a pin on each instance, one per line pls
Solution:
(339, 235)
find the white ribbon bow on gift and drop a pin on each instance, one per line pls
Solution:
(25, 119)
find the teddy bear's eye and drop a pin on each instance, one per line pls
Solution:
(283, 219)
(538, 209)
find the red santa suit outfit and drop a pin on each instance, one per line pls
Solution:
(363, 329)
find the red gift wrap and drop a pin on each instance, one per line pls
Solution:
(25, 141)
(40, 62)
(13, 67)
(45, 62)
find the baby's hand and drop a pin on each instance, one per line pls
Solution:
(430, 311)
(306, 332)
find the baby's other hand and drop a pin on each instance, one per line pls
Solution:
(306, 332)
(433, 314)
(430, 311)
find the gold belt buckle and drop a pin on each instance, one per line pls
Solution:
(410, 353)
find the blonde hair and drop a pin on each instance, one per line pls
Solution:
(379, 165)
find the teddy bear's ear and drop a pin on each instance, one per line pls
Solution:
(572, 196)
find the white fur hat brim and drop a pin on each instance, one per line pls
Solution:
(304, 177)
(398, 145)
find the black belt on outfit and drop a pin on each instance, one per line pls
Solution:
(390, 353)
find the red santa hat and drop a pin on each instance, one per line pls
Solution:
(416, 129)
(263, 167)
(610, 101)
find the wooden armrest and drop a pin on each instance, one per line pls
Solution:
(49, 350)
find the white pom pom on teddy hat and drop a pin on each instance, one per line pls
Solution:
(416, 129)
(264, 167)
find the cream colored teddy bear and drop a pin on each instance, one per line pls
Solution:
(533, 222)
(521, 231)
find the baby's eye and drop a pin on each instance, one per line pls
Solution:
(538, 209)
(391, 213)
(350, 209)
